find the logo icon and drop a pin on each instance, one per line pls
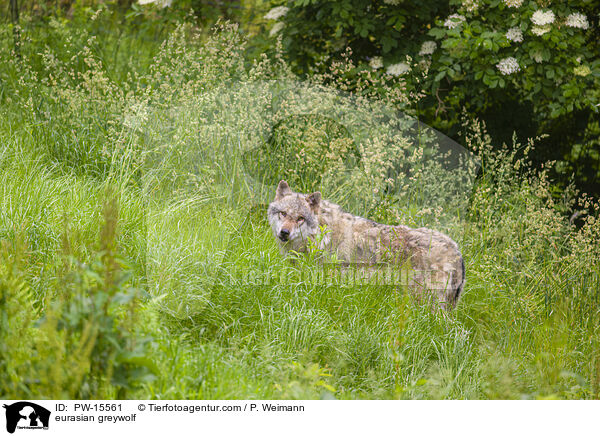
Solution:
(26, 415)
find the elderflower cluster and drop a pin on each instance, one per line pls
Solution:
(577, 20)
(582, 70)
(542, 18)
(427, 48)
(513, 3)
(470, 5)
(276, 28)
(277, 12)
(398, 69)
(514, 34)
(376, 62)
(508, 66)
(161, 3)
(454, 20)
(540, 30)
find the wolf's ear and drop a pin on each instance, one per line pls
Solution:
(283, 189)
(314, 200)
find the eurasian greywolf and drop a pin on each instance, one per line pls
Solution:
(436, 265)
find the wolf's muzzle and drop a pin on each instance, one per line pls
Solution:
(284, 235)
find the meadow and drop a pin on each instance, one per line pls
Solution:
(127, 211)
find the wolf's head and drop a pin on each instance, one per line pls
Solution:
(294, 217)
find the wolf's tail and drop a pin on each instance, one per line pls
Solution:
(462, 282)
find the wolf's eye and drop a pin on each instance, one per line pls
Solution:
(300, 219)
(282, 214)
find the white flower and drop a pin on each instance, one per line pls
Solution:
(276, 28)
(508, 66)
(541, 18)
(453, 21)
(470, 5)
(376, 62)
(582, 70)
(514, 34)
(277, 12)
(537, 56)
(161, 3)
(513, 3)
(392, 2)
(427, 48)
(540, 30)
(577, 20)
(398, 69)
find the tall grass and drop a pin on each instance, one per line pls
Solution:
(127, 217)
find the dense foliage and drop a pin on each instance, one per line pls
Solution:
(530, 67)
(127, 221)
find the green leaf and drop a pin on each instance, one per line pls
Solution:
(388, 43)
(436, 32)
(439, 76)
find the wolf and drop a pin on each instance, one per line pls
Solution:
(299, 220)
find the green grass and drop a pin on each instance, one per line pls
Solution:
(182, 308)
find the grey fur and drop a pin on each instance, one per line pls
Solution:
(435, 260)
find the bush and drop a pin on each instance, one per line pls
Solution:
(481, 56)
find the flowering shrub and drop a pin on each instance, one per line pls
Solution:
(478, 55)
(548, 44)
(535, 50)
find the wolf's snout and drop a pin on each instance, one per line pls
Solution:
(284, 234)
